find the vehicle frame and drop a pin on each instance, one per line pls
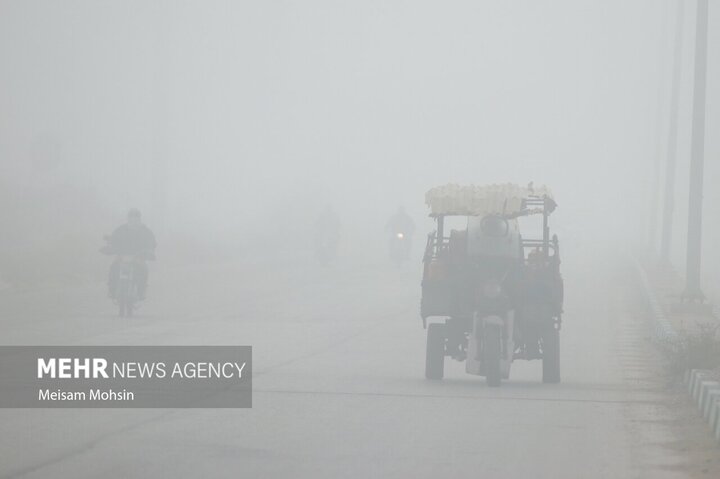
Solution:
(533, 305)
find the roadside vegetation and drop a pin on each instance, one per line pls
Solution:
(697, 349)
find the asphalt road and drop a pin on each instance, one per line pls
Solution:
(338, 383)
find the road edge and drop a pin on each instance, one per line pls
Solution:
(703, 391)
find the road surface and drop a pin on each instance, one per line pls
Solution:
(338, 383)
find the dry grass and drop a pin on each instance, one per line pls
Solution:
(698, 349)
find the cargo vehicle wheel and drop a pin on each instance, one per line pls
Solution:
(435, 352)
(492, 337)
(551, 356)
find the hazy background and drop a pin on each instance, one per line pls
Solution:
(233, 124)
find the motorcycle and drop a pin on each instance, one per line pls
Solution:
(399, 248)
(490, 344)
(125, 278)
(126, 290)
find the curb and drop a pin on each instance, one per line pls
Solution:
(705, 394)
(664, 333)
(703, 390)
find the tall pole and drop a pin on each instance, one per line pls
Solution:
(694, 241)
(655, 190)
(669, 196)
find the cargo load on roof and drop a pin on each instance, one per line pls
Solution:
(472, 200)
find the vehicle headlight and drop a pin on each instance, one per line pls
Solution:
(492, 289)
(400, 236)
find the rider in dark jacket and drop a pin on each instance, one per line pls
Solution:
(401, 227)
(131, 239)
(401, 222)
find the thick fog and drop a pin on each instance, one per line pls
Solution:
(243, 129)
(227, 121)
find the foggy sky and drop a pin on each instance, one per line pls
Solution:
(210, 116)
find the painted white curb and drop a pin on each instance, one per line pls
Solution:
(696, 375)
(708, 405)
(714, 417)
(705, 393)
(701, 389)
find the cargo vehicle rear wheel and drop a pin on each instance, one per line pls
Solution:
(551, 356)
(492, 337)
(435, 352)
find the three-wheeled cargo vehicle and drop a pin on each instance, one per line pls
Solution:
(497, 294)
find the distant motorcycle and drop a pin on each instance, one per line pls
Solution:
(125, 278)
(399, 248)
(126, 291)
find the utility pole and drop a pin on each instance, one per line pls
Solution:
(692, 291)
(669, 196)
(655, 190)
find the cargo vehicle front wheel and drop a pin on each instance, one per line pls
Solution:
(435, 352)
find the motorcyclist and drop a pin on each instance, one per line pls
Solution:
(401, 224)
(131, 239)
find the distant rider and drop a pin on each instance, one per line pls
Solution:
(401, 222)
(131, 239)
